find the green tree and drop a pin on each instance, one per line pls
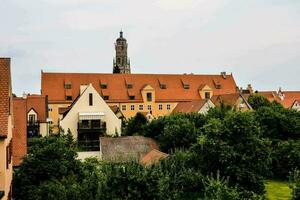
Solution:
(257, 101)
(135, 125)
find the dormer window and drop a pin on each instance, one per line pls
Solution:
(68, 86)
(106, 97)
(207, 95)
(69, 98)
(103, 86)
(129, 86)
(132, 97)
(163, 86)
(186, 86)
(149, 96)
(217, 84)
(128, 83)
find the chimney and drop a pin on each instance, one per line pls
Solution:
(223, 74)
(24, 95)
(280, 94)
(249, 88)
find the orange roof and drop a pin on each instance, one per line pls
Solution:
(189, 107)
(153, 157)
(288, 99)
(5, 95)
(53, 85)
(20, 130)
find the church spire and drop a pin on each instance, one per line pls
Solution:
(121, 61)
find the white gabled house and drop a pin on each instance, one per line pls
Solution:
(89, 117)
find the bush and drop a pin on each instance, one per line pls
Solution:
(135, 125)
(295, 184)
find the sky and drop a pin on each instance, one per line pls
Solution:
(258, 41)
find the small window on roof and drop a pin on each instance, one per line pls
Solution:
(103, 86)
(207, 95)
(186, 86)
(106, 97)
(69, 98)
(132, 97)
(129, 86)
(163, 86)
(68, 86)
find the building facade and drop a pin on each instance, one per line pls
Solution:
(6, 129)
(156, 94)
(89, 117)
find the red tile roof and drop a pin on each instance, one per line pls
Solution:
(20, 130)
(53, 85)
(153, 157)
(5, 95)
(190, 106)
(288, 99)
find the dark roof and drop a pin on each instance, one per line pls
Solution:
(126, 148)
(189, 107)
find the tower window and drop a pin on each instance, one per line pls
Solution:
(69, 98)
(90, 99)
(118, 60)
(207, 95)
(149, 96)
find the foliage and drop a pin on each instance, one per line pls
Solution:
(135, 124)
(295, 184)
(235, 147)
(48, 159)
(286, 157)
(257, 101)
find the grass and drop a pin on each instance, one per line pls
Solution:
(278, 190)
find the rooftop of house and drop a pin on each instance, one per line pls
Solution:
(285, 98)
(190, 106)
(119, 87)
(153, 157)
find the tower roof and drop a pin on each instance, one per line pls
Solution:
(121, 37)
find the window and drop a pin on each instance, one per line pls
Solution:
(163, 86)
(132, 97)
(207, 95)
(131, 107)
(149, 96)
(103, 86)
(160, 107)
(106, 97)
(168, 107)
(129, 86)
(69, 98)
(141, 107)
(186, 86)
(8, 154)
(68, 85)
(149, 107)
(123, 107)
(31, 118)
(90, 99)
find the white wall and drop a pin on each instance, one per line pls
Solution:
(70, 121)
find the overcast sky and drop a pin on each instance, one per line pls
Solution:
(256, 40)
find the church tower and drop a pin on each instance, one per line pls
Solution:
(121, 61)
